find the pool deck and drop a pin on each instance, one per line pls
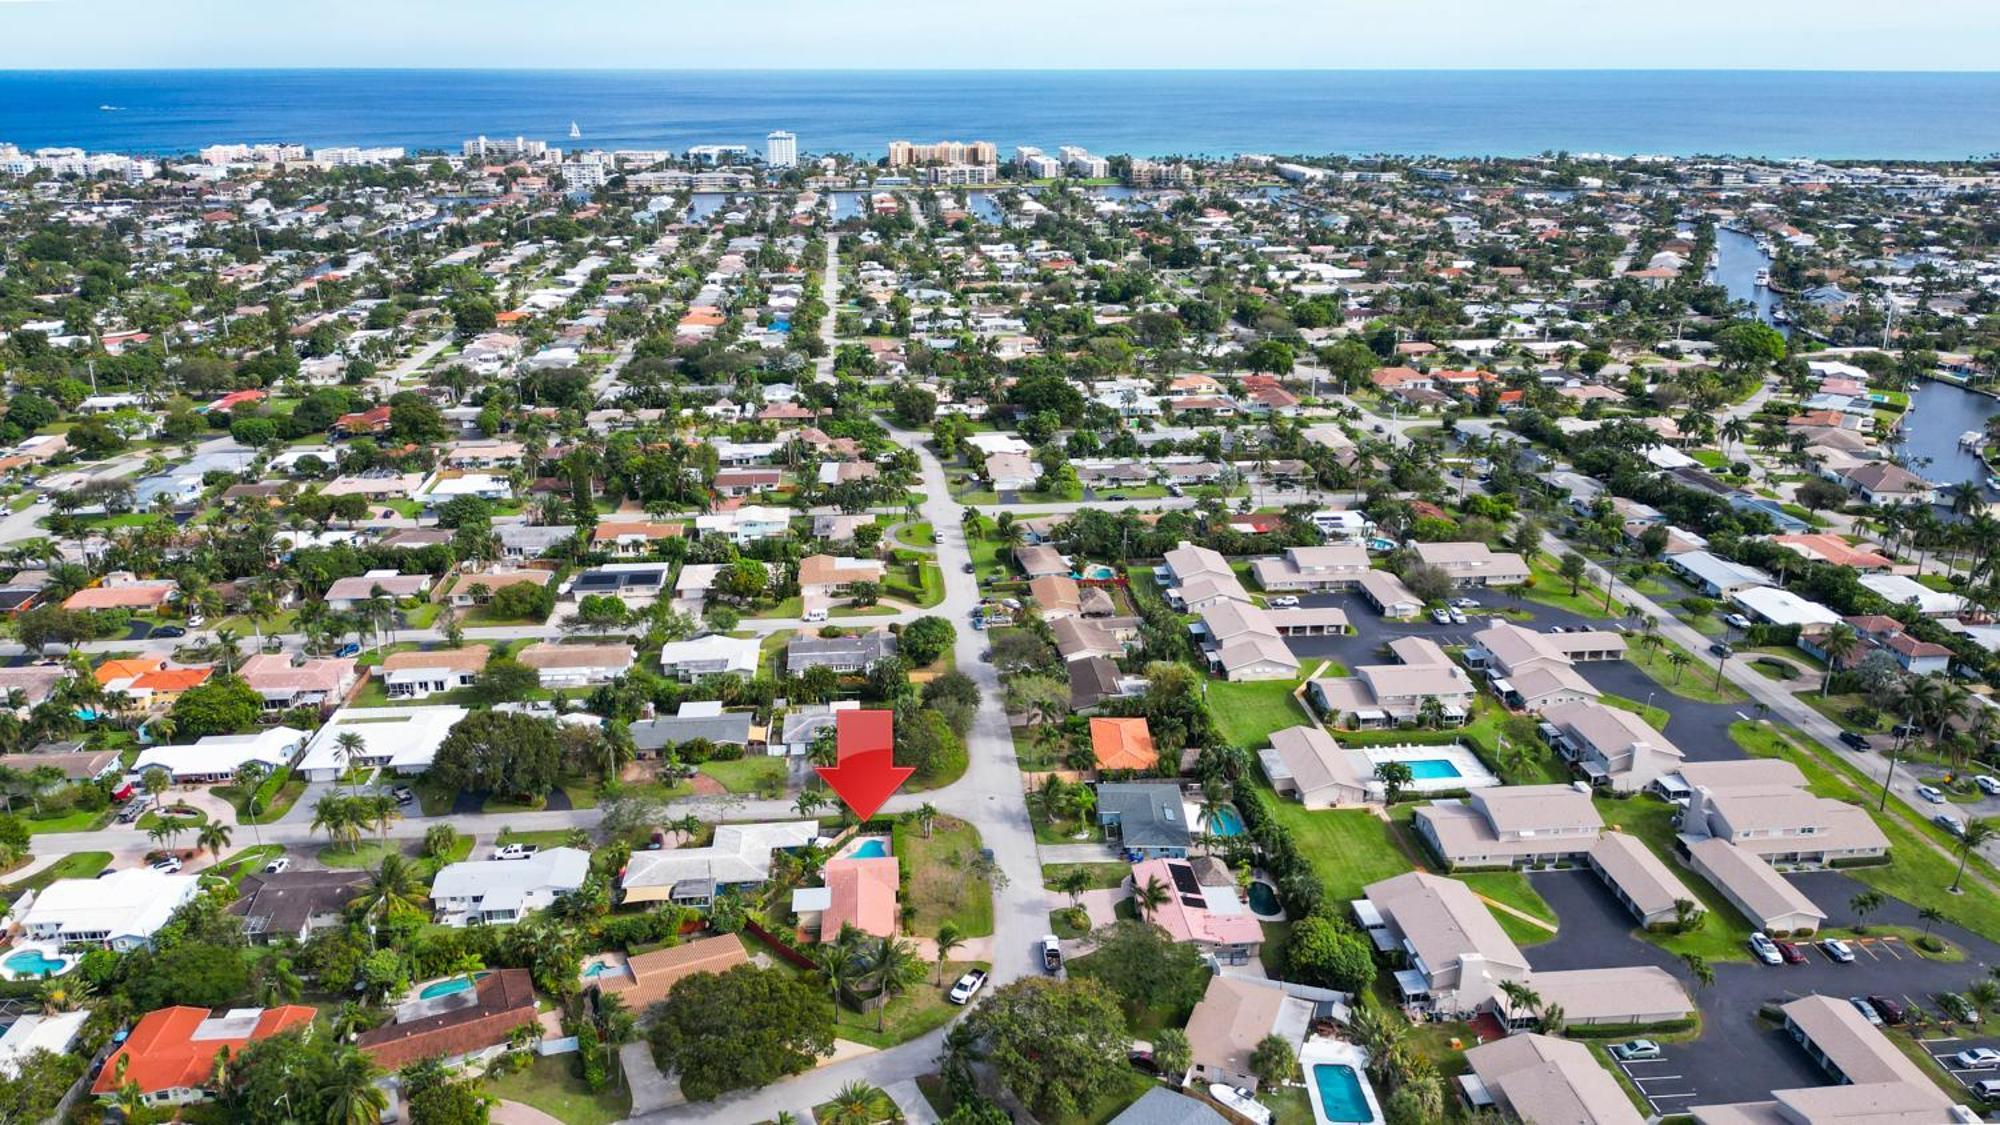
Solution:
(1472, 773)
(1320, 1050)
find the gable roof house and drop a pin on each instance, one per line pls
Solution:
(1335, 566)
(1148, 818)
(647, 978)
(1473, 563)
(849, 655)
(713, 655)
(493, 892)
(1610, 746)
(738, 856)
(1457, 952)
(1305, 762)
(1532, 671)
(425, 672)
(293, 905)
(1874, 1083)
(1232, 1018)
(1203, 907)
(563, 666)
(120, 911)
(1542, 1080)
(286, 682)
(1382, 695)
(1511, 826)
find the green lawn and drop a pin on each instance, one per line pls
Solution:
(1246, 712)
(1656, 717)
(1103, 876)
(1348, 848)
(759, 775)
(915, 534)
(1722, 932)
(1694, 681)
(920, 1010)
(369, 854)
(1512, 889)
(1552, 589)
(152, 817)
(76, 865)
(547, 838)
(942, 883)
(246, 862)
(75, 821)
(548, 1085)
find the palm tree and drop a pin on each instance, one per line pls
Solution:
(393, 887)
(1929, 916)
(835, 963)
(927, 815)
(213, 837)
(948, 939)
(1864, 904)
(1520, 997)
(347, 746)
(858, 1103)
(1680, 660)
(349, 1091)
(894, 966)
(1704, 974)
(1151, 897)
(1839, 644)
(1978, 831)
(1072, 882)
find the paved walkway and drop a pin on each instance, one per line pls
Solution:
(514, 1113)
(651, 1090)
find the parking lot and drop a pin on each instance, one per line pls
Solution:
(1944, 1050)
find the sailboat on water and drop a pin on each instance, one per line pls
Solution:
(574, 132)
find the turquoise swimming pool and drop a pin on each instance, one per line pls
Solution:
(598, 968)
(1431, 769)
(445, 987)
(871, 848)
(1340, 1096)
(1226, 822)
(1098, 572)
(34, 963)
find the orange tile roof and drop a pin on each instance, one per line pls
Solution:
(127, 669)
(653, 975)
(172, 679)
(165, 1055)
(144, 595)
(1122, 744)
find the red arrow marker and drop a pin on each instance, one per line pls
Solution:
(865, 772)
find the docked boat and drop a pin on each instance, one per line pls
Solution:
(1763, 279)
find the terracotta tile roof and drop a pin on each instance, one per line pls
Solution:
(506, 1000)
(1122, 744)
(165, 1055)
(127, 669)
(654, 974)
(172, 679)
(863, 893)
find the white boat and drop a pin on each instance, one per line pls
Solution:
(574, 132)
(1240, 1101)
(1763, 279)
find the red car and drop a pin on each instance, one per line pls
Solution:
(1792, 954)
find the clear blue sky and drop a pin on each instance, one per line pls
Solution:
(922, 34)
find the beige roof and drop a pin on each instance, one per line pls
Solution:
(545, 655)
(1536, 808)
(1610, 730)
(1751, 881)
(1386, 588)
(832, 570)
(1187, 561)
(1443, 920)
(650, 976)
(1540, 681)
(1419, 651)
(1232, 1018)
(1548, 1081)
(1228, 620)
(1395, 680)
(276, 672)
(1315, 760)
(1644, 877)
(1056, 592)
(1622, 994)
(497, 580)
(1740, 772)
(1254, 648)
(471, 658)
(1861, 1052)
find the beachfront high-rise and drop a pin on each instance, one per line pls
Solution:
(903, 154)
(781, 149)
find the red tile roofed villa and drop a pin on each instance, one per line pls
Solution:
(862, 894)
(455, 1024)
(170, 1054)
(648, 977)
(1835, 550)
(1122, 744)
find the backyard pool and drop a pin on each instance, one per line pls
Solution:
(1431, 769)
(1227, 821)
(1264, 900)
(1098, 572)
(1340, 1096)
(871, 848)
(36, 962)
(598, 968)
(446, 987)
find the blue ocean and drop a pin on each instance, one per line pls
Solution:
(1452, 113)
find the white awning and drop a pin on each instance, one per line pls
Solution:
(1412, 983)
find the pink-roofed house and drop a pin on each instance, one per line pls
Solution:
(860, 893)
(1203, 906)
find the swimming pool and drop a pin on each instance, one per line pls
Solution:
(1226, 822)
(1431, 769)
(35, 963)
(446, 987)
(1340, 1096)
(1264, 899)
(598, 968)
(870, 848)
(1098, 572)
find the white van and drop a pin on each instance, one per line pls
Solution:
(815, 615)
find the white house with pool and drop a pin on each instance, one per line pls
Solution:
(1307, 763)
(120, 911)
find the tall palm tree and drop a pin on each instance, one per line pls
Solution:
(1151, 897)
(213, 837)
(349, 1092)
(1839, 644)
(393, 887)
(1520, 996)
(1978, 832)
(894, 966)
(1930, 916)
(948, 939)
(348, 746)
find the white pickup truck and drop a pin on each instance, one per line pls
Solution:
(514, 851)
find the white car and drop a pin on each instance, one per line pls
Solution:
(278, 866)
(971, 982)
(167, 866)
(1988, 784)
(1285, 602)
(1949, 823)
(1867, 1010)
(1976, 1058)
(1837, 950)
(1441, 616)
(1736, 621)
(1464, 603)
(1765, 949)
(1457, 616)
(1930, 793)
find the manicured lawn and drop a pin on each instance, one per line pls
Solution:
(761, 774)
(1512, 889)
(548, 1085)
(76, 821)
(1289, 1105)
(1348, 848)
(548, 838)
(369, 854)
(192, 815)
(1722, 932)
(915, 534)
(1656, 717)
(1552, 589)
(1694, 681)
(921, 1009)
(275, 797)
(248, 861)
(76, 865)
(1103, 876)
(1247, 712)
(943, 881)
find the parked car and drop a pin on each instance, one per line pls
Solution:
(1765, 949)
(1867, 1010)
(1949, 823)
(970, 569)
(1854, 740)
(1790, 951)
(348, 649)
(1976, 1058)
(515, 851)
(1892, 1012)
(1141, 1061)
(1931, 793)
(1837, 951)
(404, 795)
(1638, 1050)
(1285, 601)
(1720, 649)
(1441, 616)
(1457, 616)
(1736, 621)
(1988, 784)
(168, 631)
(278, 866)
(1464, 603)
(170, 865)
(971, 982)
(1957, 1007)
(1051, 953)
(1988, 1089)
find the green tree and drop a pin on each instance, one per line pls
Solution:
(1274, 1061)
(1326, 952)
(779, 1024)
(518, 756)
(1145, 968)
(222, 705)
(924, 640)
(1055, 1043)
